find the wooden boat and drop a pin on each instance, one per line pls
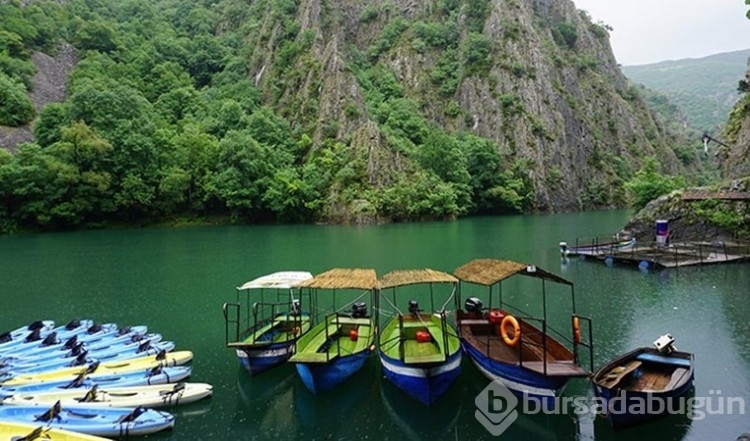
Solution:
(514, 347)
(160, 395)
(265, 336)
(596, 248)
(21, 431)
(420, 351)
(114, 422)
(157, 375)
(660, 376)
(337, 347)
(164, 359)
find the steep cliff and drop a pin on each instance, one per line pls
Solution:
(537, 78)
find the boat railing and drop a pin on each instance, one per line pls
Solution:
(231, 312)
(528, 342)
(578, 341)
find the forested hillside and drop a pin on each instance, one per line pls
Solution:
(302, 111)
(704, 89)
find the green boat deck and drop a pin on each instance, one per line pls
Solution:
(282, 327)
(326, 342)
(406, 347)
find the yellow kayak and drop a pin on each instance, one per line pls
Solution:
(12, 431)
(116, 367)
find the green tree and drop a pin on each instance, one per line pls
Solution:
(15, 107)
(648, 184)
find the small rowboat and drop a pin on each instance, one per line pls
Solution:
(23, 431)
(659, 376)
(114, 422)
(160, 395)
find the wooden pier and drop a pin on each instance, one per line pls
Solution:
(677, 254)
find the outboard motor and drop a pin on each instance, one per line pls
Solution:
(414, 307)
(665, 344)
(143, 347)
(296, 310)
(93, 329)
(473, 304)
(6, 337)
(76, 350)
(75, 323)
(359, 310)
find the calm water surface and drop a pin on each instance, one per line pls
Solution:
(175, 281)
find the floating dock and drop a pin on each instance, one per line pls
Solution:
(675, 254)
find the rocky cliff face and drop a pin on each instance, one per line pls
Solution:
(547, 91)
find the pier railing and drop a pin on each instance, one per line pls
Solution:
(687, 253)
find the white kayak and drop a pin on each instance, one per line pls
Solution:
(164, 359)
(108, 422)
(161, 395)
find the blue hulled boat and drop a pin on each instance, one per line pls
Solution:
(337, 347)
(266, 335)
(645, 384)
(514, 347)
(420, 351)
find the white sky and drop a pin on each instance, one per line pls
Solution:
(649, 31)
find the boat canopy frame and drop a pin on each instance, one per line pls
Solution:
(492, 272)
(242, 315)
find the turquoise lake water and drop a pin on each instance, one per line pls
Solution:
(176, 280)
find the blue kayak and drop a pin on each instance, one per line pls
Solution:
(158, 375)
(84, 358)
(109, 422)
(40, 337)
(10, 339)
(125, 342)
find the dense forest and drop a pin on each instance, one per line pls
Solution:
(165, 119)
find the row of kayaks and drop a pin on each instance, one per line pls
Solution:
(85, 380)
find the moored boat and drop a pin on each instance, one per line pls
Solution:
(160, 395)
(266, 336)
(157, 375)
(10, 430)
(596, 248)
(8, 339)
(337, 347)
(419, 350)
(164, 359)
(645, 383)
(114, 422)
(514, 347)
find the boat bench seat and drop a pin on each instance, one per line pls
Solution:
(430, 358)
(312, 357)
(618, 373)
(363, 321)
(414, 324)
(474, 322)
(676, 377)
(663, 359)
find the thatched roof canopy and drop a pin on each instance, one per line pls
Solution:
(491, 271)
(343, 278)
(412, 277)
